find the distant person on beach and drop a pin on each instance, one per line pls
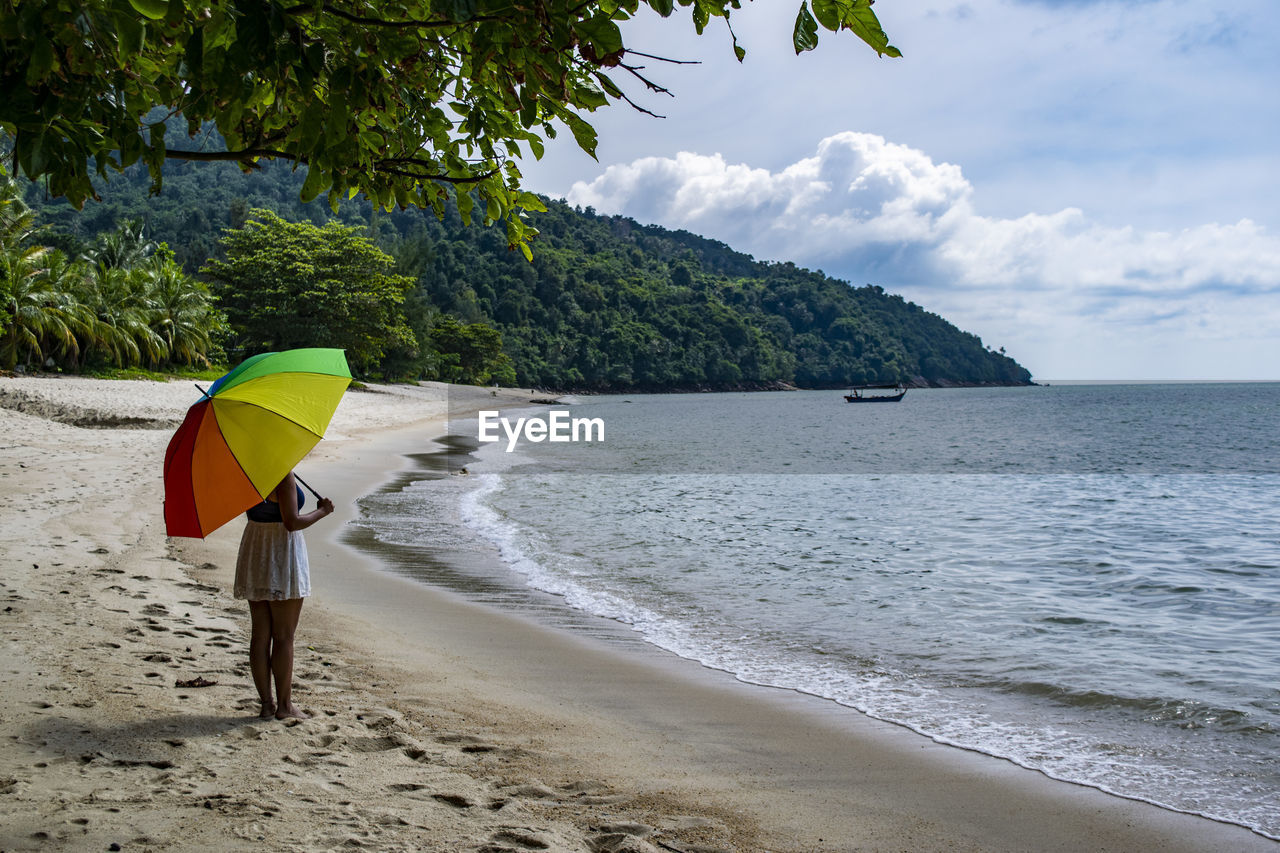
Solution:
(273, 574)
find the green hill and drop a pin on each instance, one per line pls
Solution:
(607, 304)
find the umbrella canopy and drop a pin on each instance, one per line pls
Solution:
(252, 426)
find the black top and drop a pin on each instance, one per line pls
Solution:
(269, 511)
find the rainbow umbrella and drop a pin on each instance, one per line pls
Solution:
(247, 432)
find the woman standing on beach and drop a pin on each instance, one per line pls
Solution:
(273, 574)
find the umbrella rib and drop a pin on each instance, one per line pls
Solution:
(235, 458)
(239, 466)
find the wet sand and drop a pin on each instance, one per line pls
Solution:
(439, 724)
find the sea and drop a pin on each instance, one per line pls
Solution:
(1083, 579)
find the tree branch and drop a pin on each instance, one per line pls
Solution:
(385, 166)
(382, 22)
(663, 58)
(447, 179)
(636, 106)
(634, 71)
(223, 156)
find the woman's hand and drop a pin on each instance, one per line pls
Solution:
(287, 496)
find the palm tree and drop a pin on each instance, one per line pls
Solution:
(124, 248)
(117, 302)
(117, 293)
(45, 316)
(124, 301)
(40, 314)
(182, 313)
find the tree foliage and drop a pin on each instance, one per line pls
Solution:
(124, 301)
(409, 102)
(607, 304)
(471, 354)
(294, 284)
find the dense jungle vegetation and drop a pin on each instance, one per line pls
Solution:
(606, 303)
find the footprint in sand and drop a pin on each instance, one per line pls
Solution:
(631, 844)
(590, 792)
(470, 743)
(532, 792)
(456, 800)
(406, 787)
(515, 839)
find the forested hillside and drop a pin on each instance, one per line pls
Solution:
(606, 304)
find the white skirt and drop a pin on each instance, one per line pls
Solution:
(272, 565)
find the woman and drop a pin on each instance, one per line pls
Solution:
(272, 573)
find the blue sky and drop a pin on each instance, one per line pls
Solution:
(1092, 184)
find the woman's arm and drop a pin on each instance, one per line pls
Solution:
(287, 497)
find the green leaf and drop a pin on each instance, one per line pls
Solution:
(153, 9)
(460, 10)
(528, 109)
(40, 63)
(738, 50)
(129, 34)
(529, 201)
(30, 151)
(805, 36)
(157, 141)
(465, 204)
(315, 184)
(662, 7)
(583, 133)
(131, 148)
(177, 9)
(193, 57)
(866, 26)
(590, 96)
(700, 18)
(313, 56)
(828, 13)
(608, 85)
(336, 124)
(603, 34)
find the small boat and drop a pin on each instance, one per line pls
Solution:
(856, 394)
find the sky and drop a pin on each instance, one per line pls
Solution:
(1093, 185)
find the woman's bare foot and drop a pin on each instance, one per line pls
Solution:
(268, 710)
(291, 710)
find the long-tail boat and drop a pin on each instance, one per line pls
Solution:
(856, 394)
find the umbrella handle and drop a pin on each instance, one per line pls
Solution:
(309, 489)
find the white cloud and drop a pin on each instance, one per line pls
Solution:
(867, 209)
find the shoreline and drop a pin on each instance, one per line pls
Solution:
(844, 721)
(551, 611)
(441, 724)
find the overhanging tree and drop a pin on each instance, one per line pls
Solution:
(407, 101)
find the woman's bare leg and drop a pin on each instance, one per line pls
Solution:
(284, 621)
(260, 655)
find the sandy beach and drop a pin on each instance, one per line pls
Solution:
(437, 723)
